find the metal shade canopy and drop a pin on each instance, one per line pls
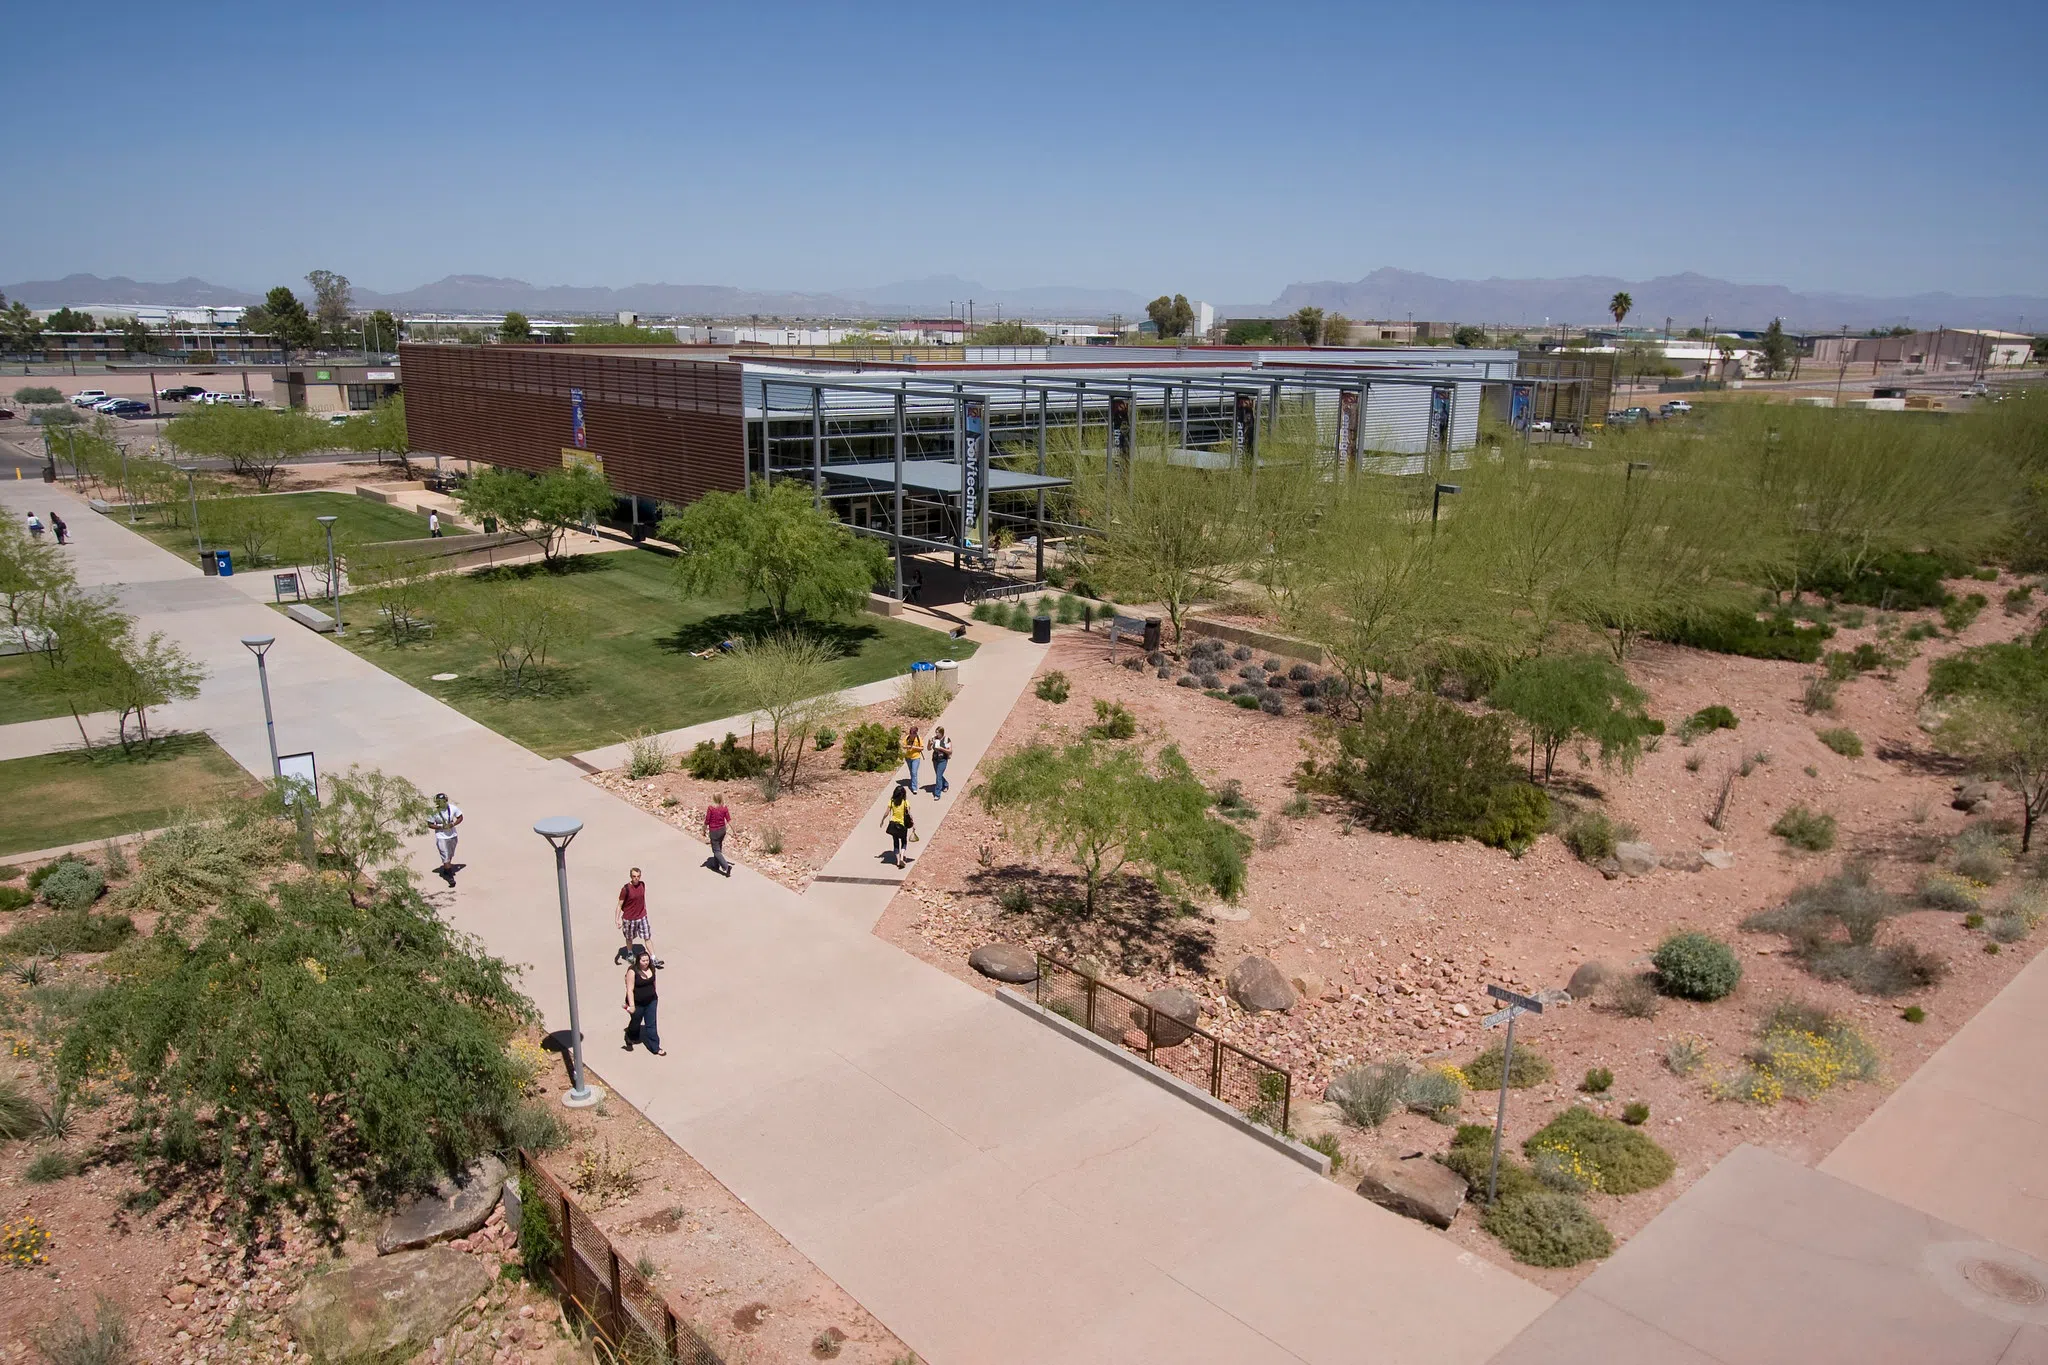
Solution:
(939, 476)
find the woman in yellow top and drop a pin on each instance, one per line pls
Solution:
(913, 753)
(898, 822)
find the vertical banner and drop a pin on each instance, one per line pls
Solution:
(576, 433)
(1521, 406)
(1440, 396)
(1347, 428)
(1247, 427)
(973, 470)
(1120, 425)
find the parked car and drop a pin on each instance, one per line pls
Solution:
(6, 414)
(340, 419)
(106, 403)
(182, 393)
(85, 398)
(126, 407)
(1679, 405)
(1539, 425)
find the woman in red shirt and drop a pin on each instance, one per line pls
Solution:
(717, 819)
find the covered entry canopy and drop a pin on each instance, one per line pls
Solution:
(939, 476)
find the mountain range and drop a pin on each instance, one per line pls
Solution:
(1688, 299)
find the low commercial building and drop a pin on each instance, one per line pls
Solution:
(335, 388)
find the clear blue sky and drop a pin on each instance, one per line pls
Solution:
(1221, 150)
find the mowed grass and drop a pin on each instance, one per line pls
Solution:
(69, 798)
(19, 701)
(634, 671)
(360, 519)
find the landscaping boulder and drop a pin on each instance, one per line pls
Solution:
(1419, 1188)
(1974, 797)
(1005, 962)
(1717, 858)
(1256, 984)
(453, 1208)
(1174, 1012)
(1608, 868)
(1308, 985)
(1587, 979)
(387, 1309)
(1682, 860)
(1636, 859)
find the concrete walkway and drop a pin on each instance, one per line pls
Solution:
(989, 1190)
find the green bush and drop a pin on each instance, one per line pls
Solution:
(1635, 1113)
(70, 931)
(72, 886)
(1548, 1228)
(51, 869)
(1842, 740)
(1982, 854)
(1530, 1068)
(1739, 632)
(540, 1241)
(54, 1164)
(105, 1340)
(13, 898)
(8, 872)
(1696, 966)
(1959, 613)
(1419, 766)
(1054, 687)
(1368, 1095)
(726, 761)
(1591, 836)
(1913, 1014)
(1471, 1156)
(1621, 1159)
(19, 1115)
(1516, 812)
(1327, 1144)
(1705, 721)
(1802, 828)
(872, 747)
(1113, 720)
(1434, 1093)
(201, 860)
(1892, 582)
(1599, 1080)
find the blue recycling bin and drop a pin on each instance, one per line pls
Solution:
(923, 666)
(225, 562)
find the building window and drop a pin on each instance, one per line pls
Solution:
(363, 397)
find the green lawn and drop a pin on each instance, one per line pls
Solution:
(634, 672)
(69, 798)
(360, 519)
(18, 701)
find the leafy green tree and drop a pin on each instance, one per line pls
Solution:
(281, 315)
(1248, 332)
(1562, 698)
(382, 430)
(1105, 808)
(381, 331)
(997, 334)
(1169, 535)
(1777, 350)
(20, 329)
(773, 541)
(1310, 320)
(1467, 335)
(135, 332)
(332, 301)
(141, 675)
(543, 508)
(34, 575)
(256, 442)
(1996, 703)
(786, 679)
(363, 819)
(302, 1048)
(398, 583)
(515, 328)
(70, 320)
(1620, 305)
(1171, 315)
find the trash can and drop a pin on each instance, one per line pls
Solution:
(208, 565)
(1151, 633)
(1041, 630)
(490, 526)
(949, 673)
(49, 473)
(224, 563)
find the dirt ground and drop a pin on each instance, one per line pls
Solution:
(1397, 938)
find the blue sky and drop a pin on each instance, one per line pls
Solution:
(1220, 150)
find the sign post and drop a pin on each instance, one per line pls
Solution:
(1517, 1005)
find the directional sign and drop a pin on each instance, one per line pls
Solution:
(1506, 996)
(1499, 1017)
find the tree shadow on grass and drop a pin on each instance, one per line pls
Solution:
(565, 567)
(1134, 928)
(846, 637)
(555, 682)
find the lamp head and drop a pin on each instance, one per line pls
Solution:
(259, 643)
(327, 521)
(558, 829)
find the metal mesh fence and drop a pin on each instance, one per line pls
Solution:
(1255, 1087)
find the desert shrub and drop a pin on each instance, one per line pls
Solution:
(8, 872)
(1705, 721)
(1696, 966)
(1548, 1228)
(1556, 1170)
(923, 695)
(1230, 800)
(55, 1164)
(1276, 665)
(1834, 925)
(1271, 704)
(301, 1048)
(13, 898)
(1591, 835)
(1019, 617)
(1113, 720)
(1530, 1068)
(1741, 632)
(646, 756)
(200, 860)
(1819, 698)
(1599, 1080)
(1635, 1113)
(1187, 680)
(825, 738)
(1634, 997)
(1241, 653)
(1959, 613)
(1314, 706)
(19, 1116)
(1419, 766)
(1981, 853)
(51, 869)
(540, 1241)
(1947, 891)
(1245, 700)
(1014, 899)
(1471, 1155)
(534, 1126)
(1913, 1014)
(1252, 673)
(1435, 1093)
(103, 1341)
(1298, 807)
(1516, 812)
(1903, 581)
(1812, 1052)
(1685, 1056)
(69, 931)
(726, 761)
(1621, 1160)
(1327, 1144)
(872, 747)
(1813, 831)
(2017, 601)
(1069, 609)
(1842, 740)
(1053, 687)
(1368, 1095)
(1301, 673)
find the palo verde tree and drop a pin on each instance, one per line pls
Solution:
(542, 508)
(520, 622)
(1168, 535)
(255, 442)
(775, 541)
(786, 679)
(1105, 808)
(1565, 698)
(1995, 700)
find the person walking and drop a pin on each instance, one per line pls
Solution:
(915, 588)
(59, 529)
(941, 750)
(434, 524)
(633, 909)
(899, 823)
(35, 526)
(913, 753)
(718, 819)
(446, 816)
(642, 995)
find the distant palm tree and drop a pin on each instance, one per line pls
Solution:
(1619, 306)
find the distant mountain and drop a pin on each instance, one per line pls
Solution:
(491, 294)
(936, 292)
(1687, 299)
(84, 289)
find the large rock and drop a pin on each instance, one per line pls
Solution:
(1587, 979)
(1636, 859)
(1974, 796)
(454, 1208)
(1717, 857)
(387, 1309)
(1005, 962)
(1682, 860)
(1256, 984)
(1420, 1188)
(1174, 1013)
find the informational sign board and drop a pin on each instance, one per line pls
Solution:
(1347, 428)
(577, 434)
(282, 583)
(298, 775)
(973, 469)
(582, 459)
(1508, 997)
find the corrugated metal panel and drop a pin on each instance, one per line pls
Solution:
(1396, 419)
(1465, 416)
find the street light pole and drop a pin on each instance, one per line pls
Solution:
(333, 580)
(558, 830)
(259, 645)
(192, 492)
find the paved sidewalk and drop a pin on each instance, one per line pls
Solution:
(990, 1191)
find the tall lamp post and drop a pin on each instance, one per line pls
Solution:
(1436, 502)
(259, 645)
(333, 581)
(192, 494)
(558, 830)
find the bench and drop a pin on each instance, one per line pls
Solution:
(312, 618)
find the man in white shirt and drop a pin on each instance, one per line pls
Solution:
(433, 523)
(446, 816)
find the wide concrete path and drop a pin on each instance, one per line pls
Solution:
(992, 1192)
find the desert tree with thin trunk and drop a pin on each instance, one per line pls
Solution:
(788, 680)
(1170, 535)
(1995, 699)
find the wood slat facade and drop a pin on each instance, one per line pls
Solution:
(671, 430)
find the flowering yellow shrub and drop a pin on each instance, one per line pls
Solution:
(1569, 1162)
(24, 1242)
